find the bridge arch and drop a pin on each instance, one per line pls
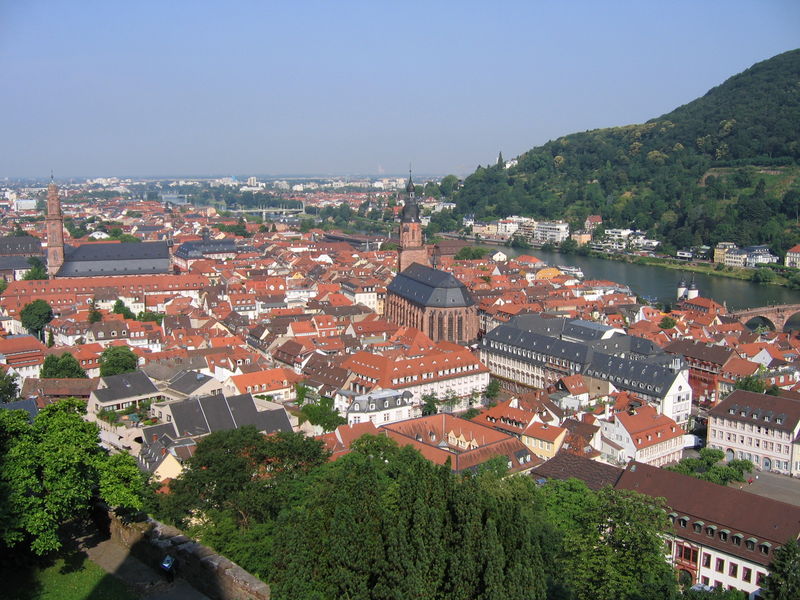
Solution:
(758, 321)
(778, 315)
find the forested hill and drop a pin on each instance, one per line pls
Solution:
(721, 168)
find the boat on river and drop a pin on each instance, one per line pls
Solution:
(574, 271)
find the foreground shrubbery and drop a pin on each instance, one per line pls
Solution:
(383, 522)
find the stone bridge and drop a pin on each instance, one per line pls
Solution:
(777, 315)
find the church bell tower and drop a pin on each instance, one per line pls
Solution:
(55, 230)
(412, 248)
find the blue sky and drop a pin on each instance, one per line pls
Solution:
(93, 88)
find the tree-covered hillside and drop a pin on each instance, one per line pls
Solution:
(723, 167)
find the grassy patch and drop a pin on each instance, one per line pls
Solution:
(68, 578)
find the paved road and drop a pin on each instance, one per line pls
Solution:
(775, 486)
(147, 583)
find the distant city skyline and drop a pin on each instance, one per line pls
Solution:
(325, 89)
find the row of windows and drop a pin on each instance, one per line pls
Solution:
(151, 286)
(731, 424)
(723, 534)
(689, 555)
(766, 445)
(768, 463)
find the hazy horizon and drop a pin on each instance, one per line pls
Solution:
(329, 89)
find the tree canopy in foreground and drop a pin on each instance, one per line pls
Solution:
(52, 469)
(383, 522)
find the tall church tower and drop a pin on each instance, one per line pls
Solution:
(412, 248)
(55, 230)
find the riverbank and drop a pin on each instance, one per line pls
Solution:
(692, 267)
(710, 269)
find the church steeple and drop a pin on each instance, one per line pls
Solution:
(55, 229)
(410, 206)
(411, 242)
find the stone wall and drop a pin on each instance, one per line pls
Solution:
(207, 571)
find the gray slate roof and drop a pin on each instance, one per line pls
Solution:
(18, 263)
(646, 375)
(207, 414)
(535, 342)
(20, 245)
(127, 385)
(430, 287)
(199, 248)
(629, 345)
(127, 258)
(187, 382)
(28, 405)
(637, 376)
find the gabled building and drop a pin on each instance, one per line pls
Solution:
(645, 436)
(442, 373)
(706, 365)
(466, 445)
(278, 384)
(382, 407)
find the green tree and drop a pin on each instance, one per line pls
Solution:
(708, 466)
(51, 340)
(783, 581)
(430, 405)
(613, 544)
(568, 246)
(9, 388)
(750, 383)
(471, 253)
(37, 270)
(148, 315)
(321, 412)
(65, 366)
(763, 275)
(19, 232)
(667, 323)
(121, 309)
(95, 316)
(492, 390)
(35, 315)
(116, 360)
(238, 472)
(470, 413)
(448, 185)
(52, 469)
(428, 532)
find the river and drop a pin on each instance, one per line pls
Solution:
(661, 283)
